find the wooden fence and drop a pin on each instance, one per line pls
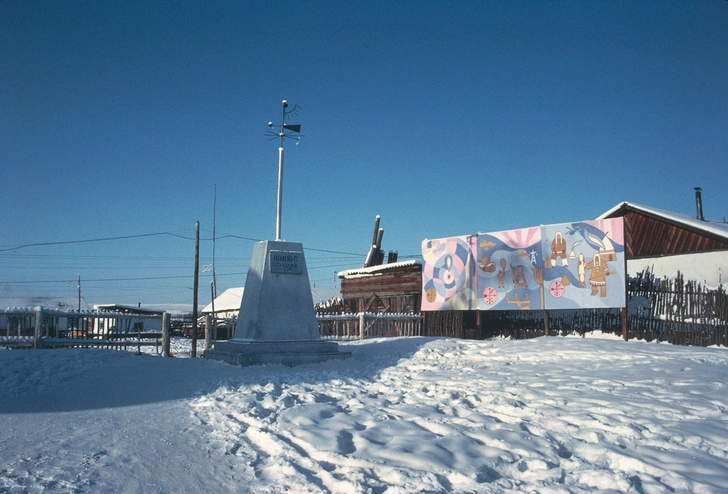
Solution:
(368, 325)
(672, 310)
(677, 311)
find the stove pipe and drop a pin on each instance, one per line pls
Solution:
(699, 204)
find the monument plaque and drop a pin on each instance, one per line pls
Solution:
(286, 262)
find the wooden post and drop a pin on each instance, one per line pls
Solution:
(208, 331)
(625, 337)
(38, 325)
(165, 336)
(546, 323)
(139, 340)
(193, 352)
(362, 322)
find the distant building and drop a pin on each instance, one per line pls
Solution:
(131, 324)
(25, 322)
(227, 304)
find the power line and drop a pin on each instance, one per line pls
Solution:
(94, 280)
(157, 234)
(66, 242)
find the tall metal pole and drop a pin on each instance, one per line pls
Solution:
(282, 135)
(279, 204)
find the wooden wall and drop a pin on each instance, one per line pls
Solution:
(649, 237)
(398, 290)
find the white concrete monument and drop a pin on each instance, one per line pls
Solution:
(276, 322)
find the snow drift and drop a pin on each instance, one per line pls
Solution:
(402, 415)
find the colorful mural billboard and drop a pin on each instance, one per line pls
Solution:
(448, 275)
(567, 266)
(507, 276)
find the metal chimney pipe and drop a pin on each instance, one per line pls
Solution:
(699, 203)
(373, 250)
(376, 230)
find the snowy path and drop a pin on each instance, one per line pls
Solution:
(403, 415)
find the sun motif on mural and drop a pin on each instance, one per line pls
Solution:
(557, 289)
(490, 295)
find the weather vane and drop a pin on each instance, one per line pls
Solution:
(282, 134)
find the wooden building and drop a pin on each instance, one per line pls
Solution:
(394, 287)
(651, 232)
(666, 243)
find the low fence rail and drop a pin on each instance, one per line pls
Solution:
(41, 327)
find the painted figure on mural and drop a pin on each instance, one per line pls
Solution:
(502, 274)
(598, 276)
(519, 279)
(581, 269)
(558, 250)
(486, 265)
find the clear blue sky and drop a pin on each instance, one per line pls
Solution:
(118, 118)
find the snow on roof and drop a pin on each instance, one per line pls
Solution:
(354, 273)
(126, 309)
(230, 299)
(712, 228)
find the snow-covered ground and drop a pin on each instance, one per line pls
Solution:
(403, 415)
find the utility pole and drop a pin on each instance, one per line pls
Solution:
(79, 293)
(214, 278)
(193, 352)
